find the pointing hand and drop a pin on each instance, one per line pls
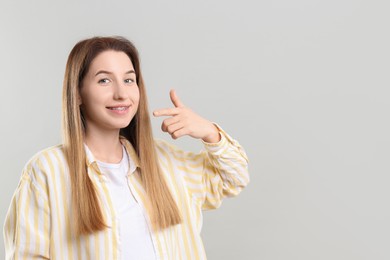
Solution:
(183, 121)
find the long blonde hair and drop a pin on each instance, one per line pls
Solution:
(88, 216)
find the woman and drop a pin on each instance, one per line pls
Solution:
(111, 191)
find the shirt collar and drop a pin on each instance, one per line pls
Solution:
(133, 157)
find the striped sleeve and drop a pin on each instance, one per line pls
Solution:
(26, 227)
(220, 170)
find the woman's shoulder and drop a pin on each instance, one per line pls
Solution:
(44, 161)
(46, 152)
(161, 143)
(164, 146)
(167, 150)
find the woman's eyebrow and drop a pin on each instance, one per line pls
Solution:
(108, 72)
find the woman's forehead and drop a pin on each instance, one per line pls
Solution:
(112, 61)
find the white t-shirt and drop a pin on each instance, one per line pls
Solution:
(135, 238)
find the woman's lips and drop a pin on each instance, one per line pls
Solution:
(119, 109)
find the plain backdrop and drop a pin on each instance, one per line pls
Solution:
(303, 85)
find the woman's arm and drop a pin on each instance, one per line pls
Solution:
(220, 170)
(27, 223)
(226, 170)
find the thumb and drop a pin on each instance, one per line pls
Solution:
(175, 99)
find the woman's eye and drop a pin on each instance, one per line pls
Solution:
(104, 81)
(129, 80)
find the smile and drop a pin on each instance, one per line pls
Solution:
(118, 108)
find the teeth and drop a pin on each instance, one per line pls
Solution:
(118, 108)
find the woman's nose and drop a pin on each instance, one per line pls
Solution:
(119, 91)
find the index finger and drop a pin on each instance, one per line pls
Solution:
(166, 112)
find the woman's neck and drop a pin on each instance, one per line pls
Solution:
(105, 146)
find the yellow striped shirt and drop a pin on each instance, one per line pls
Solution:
(38, 221)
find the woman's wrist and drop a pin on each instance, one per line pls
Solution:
(213, 136)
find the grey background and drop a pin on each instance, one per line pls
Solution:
(303, 85)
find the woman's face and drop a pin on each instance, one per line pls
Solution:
(109, 92)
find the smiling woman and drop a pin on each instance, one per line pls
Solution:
(108, 89)
(111, 191)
